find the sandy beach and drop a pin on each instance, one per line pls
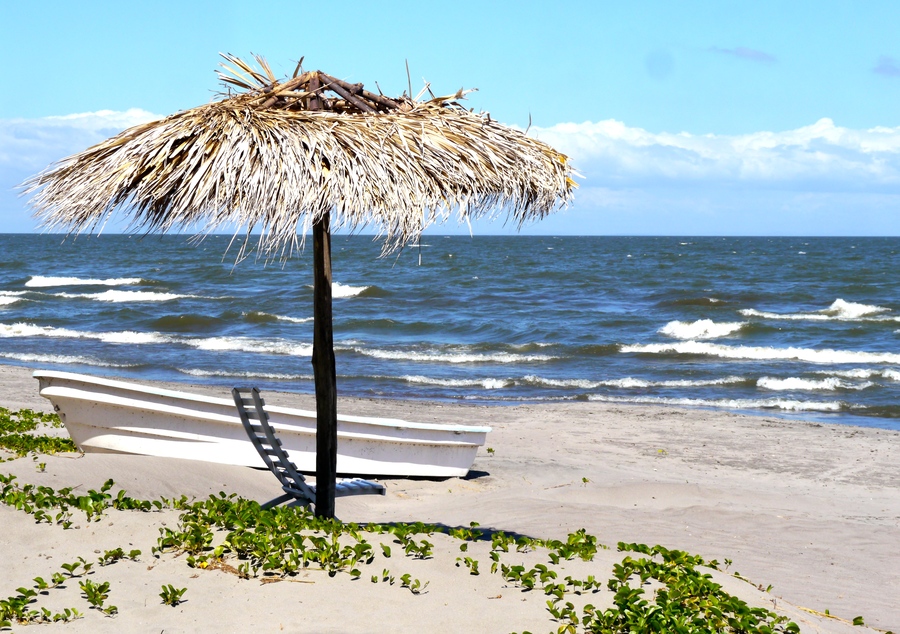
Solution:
(811, 509)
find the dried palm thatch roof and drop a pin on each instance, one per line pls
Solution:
(278, 155)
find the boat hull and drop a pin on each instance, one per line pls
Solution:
(104, 415)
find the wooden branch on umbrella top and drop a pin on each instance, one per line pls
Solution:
(296, 93)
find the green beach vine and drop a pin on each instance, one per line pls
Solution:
(652, 588)
(16, 436)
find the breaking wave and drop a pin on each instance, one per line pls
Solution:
(62, 359)
(242, 344)
(448, 357)
(488, 384)
(701, 329)
(126, 296)
(864, 373)
(247, 344)
(491, 383)
(40, 281)
(839, 310)
(11, 297)
(764, 353)
(339, 290)
(261, 317)
(796, 383)
(246, 375)
(738, 403)
(127, 336)
(629, 382)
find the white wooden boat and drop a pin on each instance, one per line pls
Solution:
(103, 415)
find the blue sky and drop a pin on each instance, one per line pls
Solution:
(699, 118)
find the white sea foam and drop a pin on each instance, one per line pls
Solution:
(123, 336)
(738, 403)
(863, 373)
(488, 384)
(39, 281)
(450, 357)
(839, 310)
(860, 373)
(341, 290)
(536, 344)
(31, 330)
(61, 359)
(242, 344)
(125, 296)
(629, 382)
(293, 320)
(524, 399)
(764, 353)
(701, 329)
(852, 310)
(246, 375)
(8, 298)
(583, 384)
(796, 383)
(129, 336)
(752, 312)
(246, 344)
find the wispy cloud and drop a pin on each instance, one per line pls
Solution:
(887, 66)
(821, 156)
(27, 146)
(743, 52)
(33, 144)
(821, 179)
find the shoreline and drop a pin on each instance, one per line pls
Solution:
(844, 419)
(810, 508)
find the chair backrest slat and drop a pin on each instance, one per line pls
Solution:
(253, 415)
(267, 445)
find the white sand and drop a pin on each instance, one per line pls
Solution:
(813, 510)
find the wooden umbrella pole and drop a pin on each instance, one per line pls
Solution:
(324, 370)
(323, 354)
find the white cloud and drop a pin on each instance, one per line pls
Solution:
(820, 157)
(35, 143)
(100, 120)
(28, 146)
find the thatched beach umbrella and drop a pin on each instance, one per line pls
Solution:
(307, 152)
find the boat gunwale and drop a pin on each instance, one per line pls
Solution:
(222, 419)
(275, 409)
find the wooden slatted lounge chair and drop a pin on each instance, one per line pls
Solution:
(250, 406)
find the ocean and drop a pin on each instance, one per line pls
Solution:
(805, 328)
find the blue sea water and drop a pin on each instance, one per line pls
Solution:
(805, 327)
